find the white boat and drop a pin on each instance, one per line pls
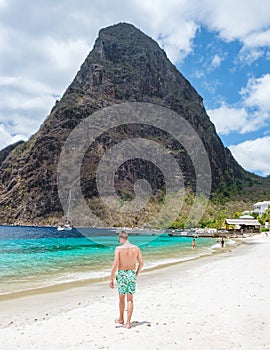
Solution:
(178, 234)
(137, 231)
(183, 233)
(67, 225)
(64, 227)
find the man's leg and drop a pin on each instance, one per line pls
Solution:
(129, 309)
(121, 308)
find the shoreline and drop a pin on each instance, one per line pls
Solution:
(62, 286)
(100, 284)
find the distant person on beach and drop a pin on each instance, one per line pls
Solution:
(125, 259)
(193, 243)
(222, 242)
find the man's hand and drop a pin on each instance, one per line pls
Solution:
(112, 283)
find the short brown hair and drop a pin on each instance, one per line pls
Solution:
(123, 234)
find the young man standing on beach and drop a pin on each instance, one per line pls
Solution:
(125, 259)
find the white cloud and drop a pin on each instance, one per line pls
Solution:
(6, 138)
(174, 25)
(24, 105)
(253, 155)
(227, 119)
(244, 20)
(256, 39)
(21, 122)
(64, 54)
(179, 44)
(248, 56)
(257, 93)
(24, 84)
(235, 20)
(216, 61)
(253, 113)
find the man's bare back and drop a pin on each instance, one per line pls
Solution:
(128, 255)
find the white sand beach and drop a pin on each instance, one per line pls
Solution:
(218, 302)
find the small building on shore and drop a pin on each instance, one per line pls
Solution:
(243, 225)
(261, 207)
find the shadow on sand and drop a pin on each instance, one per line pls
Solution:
(134, 324)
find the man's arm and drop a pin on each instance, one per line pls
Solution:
(114, 267)
(140, 261)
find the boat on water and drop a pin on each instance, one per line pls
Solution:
(66, 226)
(135, 231)
(181, 233)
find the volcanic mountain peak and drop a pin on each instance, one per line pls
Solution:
(125, 65)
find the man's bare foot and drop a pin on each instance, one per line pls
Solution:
(119, 321)
(127, 325)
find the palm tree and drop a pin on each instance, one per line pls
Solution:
(266, 215)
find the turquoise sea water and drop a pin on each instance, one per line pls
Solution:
(35, 257)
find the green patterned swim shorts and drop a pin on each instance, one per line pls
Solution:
(126, 281)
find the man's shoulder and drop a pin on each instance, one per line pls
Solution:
(134, 246)
(130, 246)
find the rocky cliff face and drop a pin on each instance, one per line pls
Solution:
(125, 65)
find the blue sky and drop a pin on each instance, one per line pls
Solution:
(235, 88)
(220, 75)
(222, 47)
